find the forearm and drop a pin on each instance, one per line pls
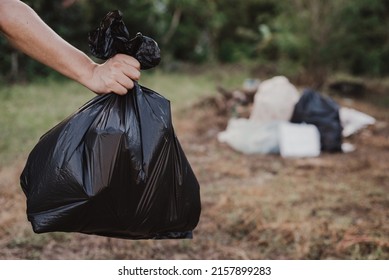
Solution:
(28, 33)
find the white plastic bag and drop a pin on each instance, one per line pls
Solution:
(251, 137)
(352, 120)
(274, 100)
(299, 140)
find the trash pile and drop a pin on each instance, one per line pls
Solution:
(283, 121)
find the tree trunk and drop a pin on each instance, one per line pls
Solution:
(173, 26)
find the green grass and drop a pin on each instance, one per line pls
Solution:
(28, 111)
(182, 88)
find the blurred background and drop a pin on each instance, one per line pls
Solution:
(335, 206)
(296, 38)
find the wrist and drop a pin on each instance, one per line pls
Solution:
(86, 74)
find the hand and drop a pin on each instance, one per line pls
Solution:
(116, 75)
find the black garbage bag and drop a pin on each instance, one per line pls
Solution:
(114, 168)
(323, 112)
(112, 37)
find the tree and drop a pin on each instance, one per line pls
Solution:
(314, 36)
(65, 20)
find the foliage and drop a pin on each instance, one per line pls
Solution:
(315, 36)
(363, 44)
(340, 35)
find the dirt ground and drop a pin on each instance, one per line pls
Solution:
(335, 206)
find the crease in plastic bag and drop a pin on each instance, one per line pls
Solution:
(114, 168)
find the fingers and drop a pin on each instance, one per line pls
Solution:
(128, 60)
(116, 75)
(127, 65)
(124, 83)
(130, 71)
(119, 85)
(121, 71)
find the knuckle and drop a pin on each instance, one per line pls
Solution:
(121, 91)
(130, 84)
(136, 75)
(110, 83)
(116, 64)
(119, 56)
(133, 61)
(137, 64)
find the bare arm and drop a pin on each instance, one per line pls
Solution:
(28, 33)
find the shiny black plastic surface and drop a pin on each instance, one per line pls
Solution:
(323, 112)
(113, 168)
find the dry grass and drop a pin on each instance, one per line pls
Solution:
(335, 206)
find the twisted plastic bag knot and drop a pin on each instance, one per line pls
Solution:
(112, 37)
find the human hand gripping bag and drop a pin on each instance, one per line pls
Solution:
(115, 167)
